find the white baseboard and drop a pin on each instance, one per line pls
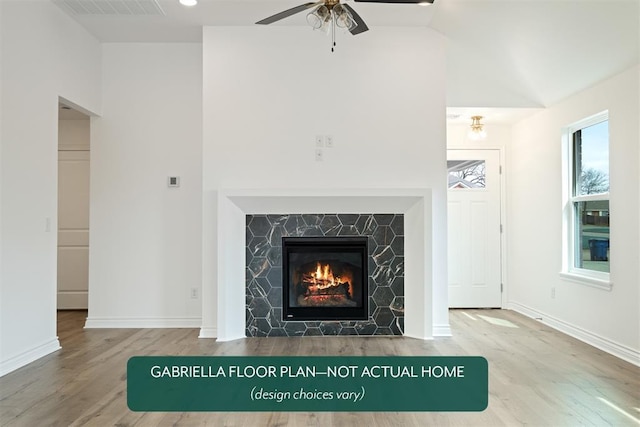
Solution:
(73, 300)
(142, 322)
(233, 338)
(408, 335)
(28, 356)
(623, 352)
(208, 332)
(442, 330)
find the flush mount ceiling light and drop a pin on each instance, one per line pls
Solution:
(329, 14)
(477, 131)
(188, 2)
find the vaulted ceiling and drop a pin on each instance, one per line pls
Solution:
(501, 53)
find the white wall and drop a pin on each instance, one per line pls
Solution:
(608, 319)
(381, 95)
(45, 54)
(145, 250)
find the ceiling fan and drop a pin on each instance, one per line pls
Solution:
(327, 14)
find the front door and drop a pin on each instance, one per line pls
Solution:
(474, 252)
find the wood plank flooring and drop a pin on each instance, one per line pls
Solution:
(537, 377)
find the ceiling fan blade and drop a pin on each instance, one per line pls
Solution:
(287, 13)
(360, 27)
(395, 1)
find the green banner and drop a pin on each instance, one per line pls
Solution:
(307, 383)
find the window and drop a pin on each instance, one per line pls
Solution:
(465, 174)
(587, 226)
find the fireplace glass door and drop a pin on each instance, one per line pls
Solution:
(324, 278)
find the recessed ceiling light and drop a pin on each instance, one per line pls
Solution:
(188, 2)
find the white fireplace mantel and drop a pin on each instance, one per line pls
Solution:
(223, 292)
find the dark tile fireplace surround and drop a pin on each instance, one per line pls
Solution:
(385, 238)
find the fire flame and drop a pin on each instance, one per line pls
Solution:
(324, 278)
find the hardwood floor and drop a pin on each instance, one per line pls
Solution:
(537, 377)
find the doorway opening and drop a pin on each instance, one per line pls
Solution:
(73, 208)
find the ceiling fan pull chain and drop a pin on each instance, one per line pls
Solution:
(333, 31)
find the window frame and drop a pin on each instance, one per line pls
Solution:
(570, 228)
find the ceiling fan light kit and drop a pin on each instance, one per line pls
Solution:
(318, 17)
(329, 14)
(343, 18)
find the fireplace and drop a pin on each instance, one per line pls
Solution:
(324, 278)
(383, 289)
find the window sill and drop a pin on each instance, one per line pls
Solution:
(587, 280)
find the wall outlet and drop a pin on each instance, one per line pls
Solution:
(194, 293)
(553, 292)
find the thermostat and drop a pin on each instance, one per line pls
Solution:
(173, 181)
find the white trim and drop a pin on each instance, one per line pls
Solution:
(406, 335)
(621, 351)
(442, 331)
(232, 205)
(569, 250)
(503, 223)
(600, 117)
(590, 197)
(231, 338)
(29, 356)
(142, 322)
(583, 279)
(206, 332)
